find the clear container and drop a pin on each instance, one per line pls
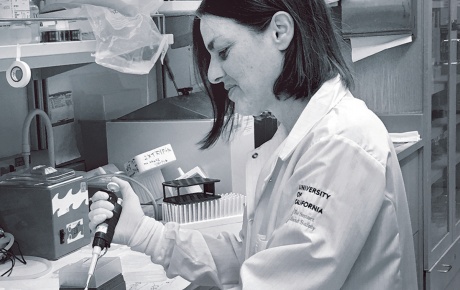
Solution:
(19, 33)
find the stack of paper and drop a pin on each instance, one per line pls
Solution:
(405, 137)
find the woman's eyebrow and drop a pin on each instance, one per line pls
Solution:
(211, 45)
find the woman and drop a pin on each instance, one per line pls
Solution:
(326, 205)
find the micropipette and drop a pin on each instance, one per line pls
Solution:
(104, 231)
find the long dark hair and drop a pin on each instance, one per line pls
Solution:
(313, 57)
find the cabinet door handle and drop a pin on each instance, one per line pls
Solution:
(448, 267)
(454, 25)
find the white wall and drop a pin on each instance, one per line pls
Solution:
(13, 110)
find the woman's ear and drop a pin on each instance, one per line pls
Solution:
(282, 27)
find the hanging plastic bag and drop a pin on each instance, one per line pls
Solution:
(125, 7)
(129, 44)
(127, 39)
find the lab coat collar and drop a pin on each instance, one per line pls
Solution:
(326, 98)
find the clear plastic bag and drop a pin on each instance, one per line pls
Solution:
(129, 44)
(125, 7)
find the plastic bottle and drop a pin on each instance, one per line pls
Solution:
(34, 10)
(34, 25)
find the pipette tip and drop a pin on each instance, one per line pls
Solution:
(87, 281)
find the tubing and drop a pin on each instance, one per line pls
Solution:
(26, 138)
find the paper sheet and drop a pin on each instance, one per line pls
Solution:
(411, 136)
(362, 47)
(60, 107)
(61, 111)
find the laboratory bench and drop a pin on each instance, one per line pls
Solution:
(137, 269)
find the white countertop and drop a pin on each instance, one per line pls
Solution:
(137, 269)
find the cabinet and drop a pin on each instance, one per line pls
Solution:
(442, 152)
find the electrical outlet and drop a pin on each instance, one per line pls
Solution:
(19, 161)
(5, 166)
(10, 164)
(4, 170)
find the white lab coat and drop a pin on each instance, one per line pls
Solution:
(326, 209)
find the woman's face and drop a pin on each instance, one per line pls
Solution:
(246, 62)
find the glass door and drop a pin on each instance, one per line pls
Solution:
(438, 223)
(456, 121)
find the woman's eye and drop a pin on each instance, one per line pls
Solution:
(223, 53)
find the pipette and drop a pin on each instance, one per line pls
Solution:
(104, 232)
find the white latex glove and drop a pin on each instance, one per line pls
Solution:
(131, 214)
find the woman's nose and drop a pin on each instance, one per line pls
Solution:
(215, 72)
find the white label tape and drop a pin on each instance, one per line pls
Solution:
(18, 74)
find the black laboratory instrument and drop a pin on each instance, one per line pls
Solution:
(104, 232)
(46, 209)
(208, 192)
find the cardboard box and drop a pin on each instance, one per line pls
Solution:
(14, 9)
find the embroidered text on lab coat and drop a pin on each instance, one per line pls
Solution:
(308, 205)
(303, 219)
(313, 190)
(314, 205)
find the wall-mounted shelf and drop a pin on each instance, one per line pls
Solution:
(42, 55)
(439, 166)
(440, 83)
(40, 19)
(38, 55)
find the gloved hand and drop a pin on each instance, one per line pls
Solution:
(131, 214)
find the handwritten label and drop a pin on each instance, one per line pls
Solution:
(131, 168)
(150, 159)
